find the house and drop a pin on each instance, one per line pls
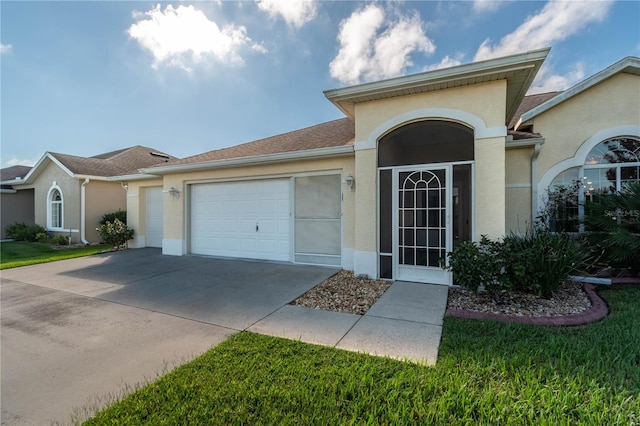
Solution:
(68, 194)
(419, 164)
(15, 206)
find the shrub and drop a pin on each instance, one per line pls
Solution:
(121, 215)
(23, 232)
(614, 222)
(475, 265)
(539, 261)
(116, 233)
(62, 240)
(536, 262)
(41, 237)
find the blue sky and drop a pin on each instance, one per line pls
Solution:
(88, 77)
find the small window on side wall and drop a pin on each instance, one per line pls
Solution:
(55, 209)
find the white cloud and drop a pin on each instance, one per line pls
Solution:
(5, 48)
(13, 161)
(555, 22)
(184, 36)
(447, 62)
(547, 81)
(295, 13)
(486, 5)
(374, 46)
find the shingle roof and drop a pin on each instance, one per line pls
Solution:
(10, 173)
(519, 135)
(115, 163)
(335, 133)
(528, 103)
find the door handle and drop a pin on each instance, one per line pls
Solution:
(257, 227)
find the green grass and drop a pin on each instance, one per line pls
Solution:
(19, 253)
(488, 373)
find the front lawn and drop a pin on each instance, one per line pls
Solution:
(487, 373)
(20, 253)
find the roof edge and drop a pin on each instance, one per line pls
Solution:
(341, 96)
(253, 160)
(132, 177)
(610, 71)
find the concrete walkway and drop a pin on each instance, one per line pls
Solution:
(74, 331)
(406, 323)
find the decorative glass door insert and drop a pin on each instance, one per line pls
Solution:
(422, 218)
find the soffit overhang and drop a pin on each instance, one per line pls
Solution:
(518, 70)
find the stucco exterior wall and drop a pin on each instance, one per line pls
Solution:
(518, 188)
(613, 102)
(518, 213)
(16, 207)
(70, 188)
(489, 186)
(101, 197)
(486, 101)
(137, 209)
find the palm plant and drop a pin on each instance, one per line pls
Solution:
(614, 222)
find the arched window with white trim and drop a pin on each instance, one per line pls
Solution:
(55, 210)
(608, 167)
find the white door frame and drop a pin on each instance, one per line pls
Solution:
(434, 275)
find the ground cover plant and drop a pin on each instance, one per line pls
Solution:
(18, 253)
(488, 373)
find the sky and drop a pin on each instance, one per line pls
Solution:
(87, 77)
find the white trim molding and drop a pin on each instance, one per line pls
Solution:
(347, 258)
(54, 186)
(365, 263)
(138, 241)
(580, 156)
(173, 247)
(481, 131)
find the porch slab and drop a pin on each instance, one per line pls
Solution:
(416, 302)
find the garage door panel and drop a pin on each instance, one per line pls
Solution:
(224, 218)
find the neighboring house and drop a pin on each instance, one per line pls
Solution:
(69, 194)
(419, 164)
(15, 206)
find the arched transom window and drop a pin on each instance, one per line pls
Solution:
(608, 167)
(55, 209)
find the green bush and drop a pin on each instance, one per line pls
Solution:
(61, 240)
(539, 261)
(535, 262)
(475, 265)
(41, 237)
(23, 232)
(116, 233)
(614, 224)
(121, 215)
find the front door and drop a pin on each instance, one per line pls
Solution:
(422, 217)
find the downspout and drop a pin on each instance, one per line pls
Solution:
(83, 212)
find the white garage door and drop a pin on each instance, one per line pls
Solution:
(153, 237)
(242, 219)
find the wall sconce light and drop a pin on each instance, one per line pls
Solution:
(174, 192)
(351, 183)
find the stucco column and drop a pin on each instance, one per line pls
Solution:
(174, 241)
(365, 257)
(490, 187)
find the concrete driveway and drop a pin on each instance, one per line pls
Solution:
(76, 331)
